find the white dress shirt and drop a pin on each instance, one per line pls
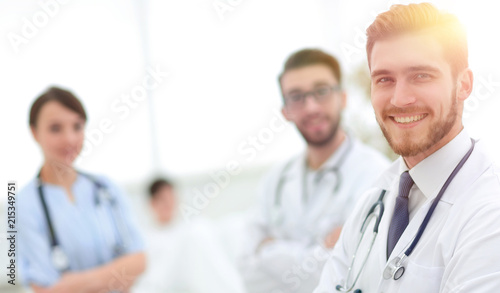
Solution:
(458, 251)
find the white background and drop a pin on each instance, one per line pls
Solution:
(221, 88)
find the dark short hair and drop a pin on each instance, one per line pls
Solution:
(423, 17)
(308, 57)
(157, 184)
(64, 97)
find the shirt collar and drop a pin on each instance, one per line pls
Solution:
(430, 174)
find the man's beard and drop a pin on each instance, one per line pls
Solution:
(327, 138)
(408, 147)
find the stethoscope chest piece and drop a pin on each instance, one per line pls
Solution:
(118, 250)
(394, 269)
(59, 258)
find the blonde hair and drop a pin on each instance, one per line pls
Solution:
(422, 17)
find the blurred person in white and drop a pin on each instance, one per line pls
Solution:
(305, 200)
(163, 201)
(76, 232)
(183, 257)
(440, 230)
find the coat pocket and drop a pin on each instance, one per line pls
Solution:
(418, 278)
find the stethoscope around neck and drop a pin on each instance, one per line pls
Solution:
(335, 170)
(395, 267)
(59, 258)
(275, 214)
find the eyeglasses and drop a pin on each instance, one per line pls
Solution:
(321, 95)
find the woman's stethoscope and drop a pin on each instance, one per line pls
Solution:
(335, 170)
(395, 268)
(59, 258)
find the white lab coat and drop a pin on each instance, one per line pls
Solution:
(458, 251)
(293, 261)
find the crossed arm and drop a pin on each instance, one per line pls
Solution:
(118, 275)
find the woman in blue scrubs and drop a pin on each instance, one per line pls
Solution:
(76, 233)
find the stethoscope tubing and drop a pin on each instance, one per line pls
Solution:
(371, 213)
(335, 169)
(397, 262)
(428, 216)
(54, 242)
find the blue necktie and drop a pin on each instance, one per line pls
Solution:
(401, 217)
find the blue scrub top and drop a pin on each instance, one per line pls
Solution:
(85, 231)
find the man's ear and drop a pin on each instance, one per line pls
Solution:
(286, 114)
(465, 83)
(343, 99)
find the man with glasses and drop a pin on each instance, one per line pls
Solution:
(306, 200)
